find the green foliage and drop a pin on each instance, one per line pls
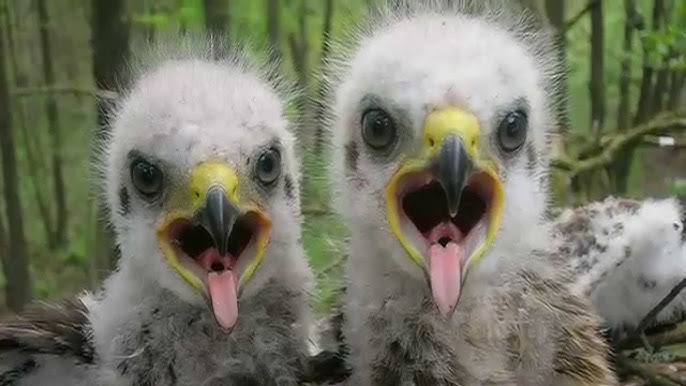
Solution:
(677, 187)
(189, 13)
(66, 271)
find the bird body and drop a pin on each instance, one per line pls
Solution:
(520, 326)
(627, 255)
(441, 125)
(212, 287)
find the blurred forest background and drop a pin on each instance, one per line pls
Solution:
(626, 80)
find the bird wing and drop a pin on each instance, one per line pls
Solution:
(60, 328)
(579, 352)
(46, 344)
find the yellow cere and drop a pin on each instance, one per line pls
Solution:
(438, 125)
(213, 173)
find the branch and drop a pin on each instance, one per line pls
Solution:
(651, 376)
(613, 144)
(657, 141)
(96, 93)
(675, 335)
(575, 19)
(331, 266)
(650, 317)
(316, 211)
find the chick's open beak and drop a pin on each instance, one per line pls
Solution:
(218, 217)
(444, 204)
(452, 168)
(217, 241)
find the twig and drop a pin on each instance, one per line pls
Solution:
(101, 94)
(675, 335)
(654, 141)
(334, 264)
(651, 376)
(575, 19)
(650, 317)
(613, 144)
(316, 211)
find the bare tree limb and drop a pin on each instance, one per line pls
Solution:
(650, 317)
(331, 266)
(575, 19)
(675, 335)
(35, 164)
(612, 144)
(96, 93)
(316, 211)
(652, 377)
(656, 141)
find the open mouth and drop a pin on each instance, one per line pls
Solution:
(192, 249)
(446, 242)
(425, 204)
(199, 251)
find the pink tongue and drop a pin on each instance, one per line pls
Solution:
(222, 287)
(445, 269)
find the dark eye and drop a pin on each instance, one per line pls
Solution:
(146, 177)
(378, 129)
(512, 131)
(268, 166)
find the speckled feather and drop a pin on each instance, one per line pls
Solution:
(626, 255)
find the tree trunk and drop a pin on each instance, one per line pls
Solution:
(597, 82)
(15, 263)
(33, 164)
(643, 109)
(54, 128)
(273, 28)
(555, 10)
(320, 101)
(150, 8)
(216, 17)
(662, 80)
(110, 43)
(622, 165)
(644, 99)
(299, 48)
(676, 89)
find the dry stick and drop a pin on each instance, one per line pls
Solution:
(612, 144)
(575, 19)
(672, 336)
(102, 94)
(650, 317)
(651, 376)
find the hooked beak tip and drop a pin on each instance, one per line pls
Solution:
(218, 216)
(452, 168)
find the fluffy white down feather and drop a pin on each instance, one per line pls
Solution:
(627, 255)
(190, 102)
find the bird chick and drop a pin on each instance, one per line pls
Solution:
(627, 255)
(201, 179)
(441, 124)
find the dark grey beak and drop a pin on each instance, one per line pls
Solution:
(218, 217)
(452, 168)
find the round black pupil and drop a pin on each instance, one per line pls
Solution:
(267, 163)
(379, 126)
(147, 174)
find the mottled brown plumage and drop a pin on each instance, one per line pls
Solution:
(60, 328)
